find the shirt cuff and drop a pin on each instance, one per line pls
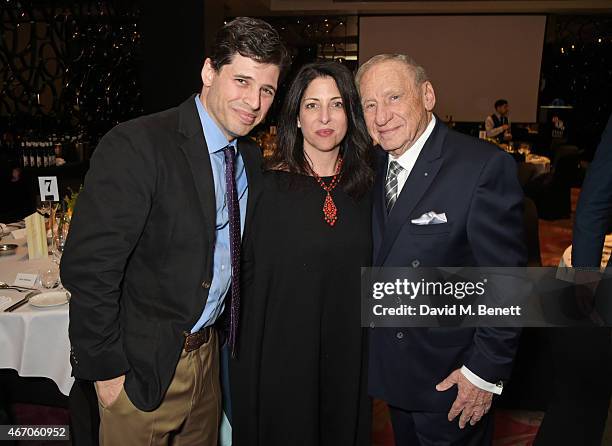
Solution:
(481, 383)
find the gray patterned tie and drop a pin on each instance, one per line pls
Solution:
(391, 184)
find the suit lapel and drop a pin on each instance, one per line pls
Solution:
(420, 179)
(196, 151)
(379, 213)
(251, 156)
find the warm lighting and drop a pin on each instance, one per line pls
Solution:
(562, 50)
(599, 40)
(573, 46)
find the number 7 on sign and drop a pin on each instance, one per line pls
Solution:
(48, 188)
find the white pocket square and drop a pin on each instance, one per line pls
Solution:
(430, 218)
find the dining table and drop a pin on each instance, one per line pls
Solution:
(541, 163)
(33, 338)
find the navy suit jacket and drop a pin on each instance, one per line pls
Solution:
(594, 210)
(476, 186)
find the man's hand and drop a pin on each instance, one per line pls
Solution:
(109, 390)
(472, 402)
(505, 126)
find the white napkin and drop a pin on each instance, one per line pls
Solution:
(18, 233)
(430, 218)
(37, 236)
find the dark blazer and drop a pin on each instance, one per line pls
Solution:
(476, 186)
(139, 257)
(594, 211)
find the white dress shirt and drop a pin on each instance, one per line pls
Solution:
(407, 160)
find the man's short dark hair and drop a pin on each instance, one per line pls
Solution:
(252, 38)
(500, 102)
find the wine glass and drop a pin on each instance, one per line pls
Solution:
(43, 207)
(60, 233)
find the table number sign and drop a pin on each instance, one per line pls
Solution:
(48, 188)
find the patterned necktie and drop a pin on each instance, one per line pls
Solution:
(233, 213)
(391, 184)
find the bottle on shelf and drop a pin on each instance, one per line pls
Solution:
(39, 155)
(25, 155)
(51, 155)
(32, 154)
(45, 154)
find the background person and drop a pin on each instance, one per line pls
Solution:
(580, 386)
(497, 125)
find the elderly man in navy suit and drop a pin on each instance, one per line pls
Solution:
(431, 376)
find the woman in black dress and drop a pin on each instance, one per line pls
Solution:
(299, 377)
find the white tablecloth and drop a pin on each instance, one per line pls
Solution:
(33, 341)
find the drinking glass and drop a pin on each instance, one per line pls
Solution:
(43, 207)
(60, 227)
(49, 276)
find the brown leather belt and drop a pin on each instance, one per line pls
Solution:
(194, 341)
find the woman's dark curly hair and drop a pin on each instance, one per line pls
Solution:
(355, 148)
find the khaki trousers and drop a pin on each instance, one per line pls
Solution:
(188, 415)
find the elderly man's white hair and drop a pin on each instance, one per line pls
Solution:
(420, 75)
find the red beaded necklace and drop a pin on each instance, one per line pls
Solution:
(330, 211)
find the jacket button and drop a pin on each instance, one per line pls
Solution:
(415, 263)
(399, 335)
(206, 284)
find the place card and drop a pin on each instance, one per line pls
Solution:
(26, 280)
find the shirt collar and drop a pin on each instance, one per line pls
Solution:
(215, 139)
(408, 158)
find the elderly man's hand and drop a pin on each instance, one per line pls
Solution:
(471, 402)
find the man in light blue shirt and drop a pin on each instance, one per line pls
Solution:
(222, 274)
(154, 246)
